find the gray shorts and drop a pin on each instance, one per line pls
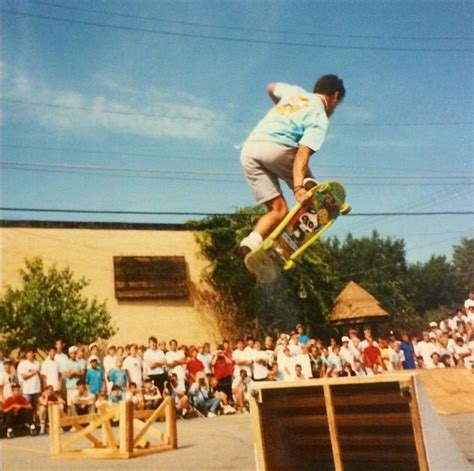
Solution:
(264, 163)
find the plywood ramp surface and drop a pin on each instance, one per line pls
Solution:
(451, 390)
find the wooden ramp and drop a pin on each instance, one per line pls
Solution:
(451, 390)
(339, 423)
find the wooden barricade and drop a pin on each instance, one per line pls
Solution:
(136, 434)
(338, 424)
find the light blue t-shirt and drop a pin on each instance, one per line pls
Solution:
(72, 365)
(299, 118)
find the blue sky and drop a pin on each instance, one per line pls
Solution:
(163, 96)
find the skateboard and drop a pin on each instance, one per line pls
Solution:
(300, 229)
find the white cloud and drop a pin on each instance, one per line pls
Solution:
(149, 112)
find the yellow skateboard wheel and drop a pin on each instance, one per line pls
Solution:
(289, 265)
(323, 187)
(345, 208)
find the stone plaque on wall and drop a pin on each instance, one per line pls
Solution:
(150, 278)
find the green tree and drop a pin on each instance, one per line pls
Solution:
(433, 285)
(50, 305)
(463, 261)
(376, 264)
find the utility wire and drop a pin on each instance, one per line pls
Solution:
(156, 155)
(202, 118)
(184, 213)
(151, 171)
(252, 29)
(227, 38)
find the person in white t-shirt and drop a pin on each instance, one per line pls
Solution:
(242, 360)
(50, 373)
(241, 390)
(334, 360)
(156, 360)
(7, 379)
(260, 368)
(133, 364)
(109, 364)
(303, 359)
(346, 353)
(29, 377)
(469, 303)
(461, 350)
(297, 374)
(435, 361)
(285, 363)
(250, 341)
(176, 359)
(425, 348)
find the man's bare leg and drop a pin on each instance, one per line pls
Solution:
(277, 210)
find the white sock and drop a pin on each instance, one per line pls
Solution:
(252, 240)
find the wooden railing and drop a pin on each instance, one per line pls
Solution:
(137, 433)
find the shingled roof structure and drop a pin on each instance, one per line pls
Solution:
(355, 305)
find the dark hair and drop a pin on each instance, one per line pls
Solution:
(116, 387)
(329, 85)
(152, 339)
(81, 382)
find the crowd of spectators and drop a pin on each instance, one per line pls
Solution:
(206, 382)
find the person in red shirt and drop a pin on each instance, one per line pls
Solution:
(18, 411)
(193, 365)
(372, 357)
(222, 368)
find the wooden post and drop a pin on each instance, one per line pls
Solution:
(126, 427)
(333, 433)
(256, 416)
(417, 428)
(54, 425)
(170, 416)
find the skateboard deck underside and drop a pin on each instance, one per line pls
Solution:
(301, 228)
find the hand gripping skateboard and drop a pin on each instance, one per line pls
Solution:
(300, 229)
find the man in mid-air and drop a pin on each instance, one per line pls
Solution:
(281, 145)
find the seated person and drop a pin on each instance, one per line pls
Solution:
(297, 374)
(151, 395)
(18, 411)
(240, 388)
(82, 399)
(220, 390)
(202, 396)
(116, 395)
(135, 396)
(47, 397)
(176, 391)
(101, 399)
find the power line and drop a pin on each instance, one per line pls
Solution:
(253, 29)
(227, 38)
(156, 155)
(161, 116)
(150, 172)
(185, 213)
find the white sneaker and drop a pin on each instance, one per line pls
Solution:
(211, 414)
(252, 241)
(10, 433)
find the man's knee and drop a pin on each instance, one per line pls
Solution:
(278, 207)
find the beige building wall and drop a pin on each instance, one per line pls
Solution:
(90, 252)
